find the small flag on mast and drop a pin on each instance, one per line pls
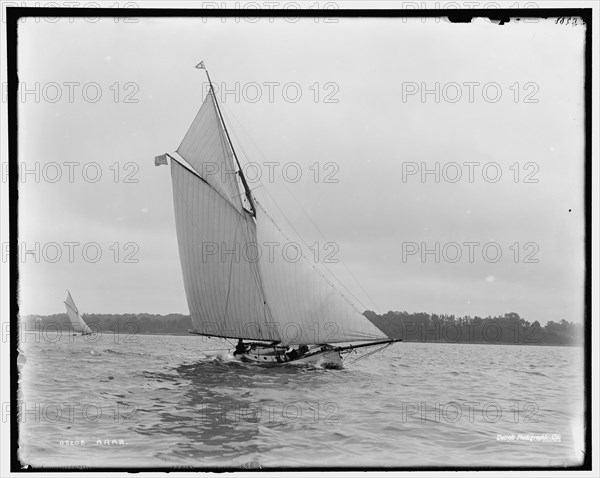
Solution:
(200, 66)
(162, 159)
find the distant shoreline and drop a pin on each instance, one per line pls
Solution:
(420, 327)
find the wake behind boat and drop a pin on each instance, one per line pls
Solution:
(77, 322)
(287, 310)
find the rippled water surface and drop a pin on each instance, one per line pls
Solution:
(156, 401)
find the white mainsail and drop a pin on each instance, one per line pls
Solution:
(222, 289)
(233, 288)
(77, 321)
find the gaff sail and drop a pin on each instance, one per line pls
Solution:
(77, 321)
(233, 287)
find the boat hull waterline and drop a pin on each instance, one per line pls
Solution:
(321, 356)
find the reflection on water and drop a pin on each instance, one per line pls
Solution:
(171, 401)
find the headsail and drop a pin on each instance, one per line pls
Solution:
(308, 308)
(77, 321)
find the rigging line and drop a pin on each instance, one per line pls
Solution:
(368, 354)
(229, 344)
(259, 186)
(335, 278)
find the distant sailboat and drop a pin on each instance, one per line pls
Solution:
(77, 322)
(289, 310)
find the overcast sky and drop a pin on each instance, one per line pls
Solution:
(360, 117)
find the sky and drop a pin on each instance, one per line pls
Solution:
(494, 113)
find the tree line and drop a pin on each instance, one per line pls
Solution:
(115, 323)
(508, 328)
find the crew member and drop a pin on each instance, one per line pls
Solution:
(240, 348)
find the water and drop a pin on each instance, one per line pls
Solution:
(158, 401)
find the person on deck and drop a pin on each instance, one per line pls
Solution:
(240, 348)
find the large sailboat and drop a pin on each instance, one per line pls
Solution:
(77, 322)
(280, 311)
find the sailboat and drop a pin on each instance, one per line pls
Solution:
(280, 311)
(77, 322)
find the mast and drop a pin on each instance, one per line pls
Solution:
(201, 66)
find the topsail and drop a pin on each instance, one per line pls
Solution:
(206, 149)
